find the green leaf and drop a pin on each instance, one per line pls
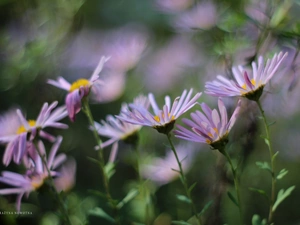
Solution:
(93, 160)
(109, 169)
(271, 124)
(181, 222)
(131, 195)
(183, 198)
(267, 142)
(264, 166)
(101, 213)
(257, 221)
(274, 156)
(98, 193)
(259, 191)
(192, 187)
(207, 205)
(281, 196)
(175, 170)
(232, 198)
(282, 173)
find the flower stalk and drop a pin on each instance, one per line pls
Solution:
(62, 207)
(183, 180)
(272, 160)
(87, 111)
(236, 182)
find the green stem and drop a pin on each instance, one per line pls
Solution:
(272, 159)
(236, 183)
(87, 111)
(52, 188)
(183, 179)
(142, 187)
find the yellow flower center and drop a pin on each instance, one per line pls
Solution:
(79, 83)
(22, 129)
(252, 82)
(157, 118)
(37, 182)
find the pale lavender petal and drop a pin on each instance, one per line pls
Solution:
(23, 120)
(153, 103)
(98, 69)
(47, 136)
(9, 151)
(113, 152)
(58, 160)
(234, 115)
(60, 83)
(53, 151)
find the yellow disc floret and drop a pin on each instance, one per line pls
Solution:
(79, 83)
(22, 129)
(157, 118)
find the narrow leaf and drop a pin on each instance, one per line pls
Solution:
(264, 166)
(101, 213)
(109, 169)
(274, 156)
(93, 160)
(181, 222)
(259, 191)
(232, 198)
(267, 141)
(131, 195)
(281, 196)
(207, 205)
(192, 187)
(282, 173)
(272, 123)
(175, 170)
(183, 198)
(98, 193)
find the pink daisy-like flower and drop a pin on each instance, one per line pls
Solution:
(161, 169)
(36, 172)
(79, 89)
(209, 127)
(163, 119)
(245, 84)
(117, 129)
(15, 130)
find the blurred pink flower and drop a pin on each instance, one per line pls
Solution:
(125, 46)
(173, 6)
(36, 172)
(166, 66)
(211, 127)
(67, 176)
(15, 129)
(249, 85)
(116, 129)
(163, 119)
(79, 89)
(160, 170)
(202, 16)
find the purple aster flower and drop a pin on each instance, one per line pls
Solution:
(36, 172)
(79, 89)
(117, 129)
(245, 84)
(211, 127)
(163, 119)
(15, 129)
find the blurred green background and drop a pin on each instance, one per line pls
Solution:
(162, 47)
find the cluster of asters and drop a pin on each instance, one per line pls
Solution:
(211, 126)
